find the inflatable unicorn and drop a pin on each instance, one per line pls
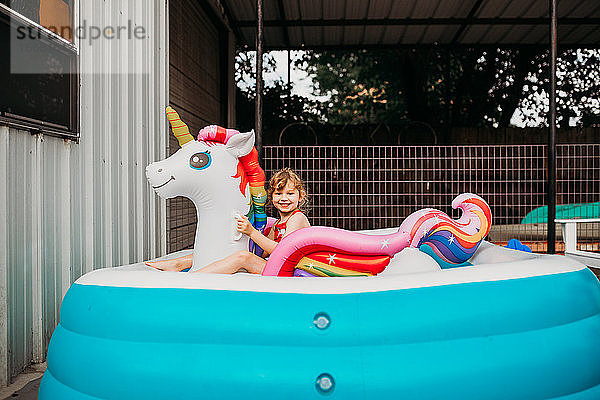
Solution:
(219, 173)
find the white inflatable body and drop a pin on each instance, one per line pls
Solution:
(213, 190)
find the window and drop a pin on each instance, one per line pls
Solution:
(39, 67)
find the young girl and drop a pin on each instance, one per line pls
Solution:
(286, 192)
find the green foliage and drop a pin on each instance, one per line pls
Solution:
(362, 85)
(453, 87)
(578, 89)
(280, 106)
(433, 88)
(245, 70)
(431, 85)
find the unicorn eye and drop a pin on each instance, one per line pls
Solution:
(200, 160)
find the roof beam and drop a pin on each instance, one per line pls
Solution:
(282, 16)
(232, 22)
(490, 46)
(470, 16)
(418, 21)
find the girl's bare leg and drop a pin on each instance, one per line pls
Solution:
(235, 262)
(175, 264)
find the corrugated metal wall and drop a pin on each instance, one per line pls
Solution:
(67, 208)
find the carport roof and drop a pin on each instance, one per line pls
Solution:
(296, 24)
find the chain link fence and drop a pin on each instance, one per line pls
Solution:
(370, 187)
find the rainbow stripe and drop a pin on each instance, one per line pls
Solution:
(324, 270)
(322, 263)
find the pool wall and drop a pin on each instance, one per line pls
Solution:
(526, 338)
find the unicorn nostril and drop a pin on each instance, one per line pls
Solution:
(160, 170)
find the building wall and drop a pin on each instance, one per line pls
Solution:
(200, 64)
(68, 207)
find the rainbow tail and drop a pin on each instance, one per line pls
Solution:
(452, 241)
(323, 251)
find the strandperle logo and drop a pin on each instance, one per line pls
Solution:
(86, 33)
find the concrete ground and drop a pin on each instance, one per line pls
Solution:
(26, 385)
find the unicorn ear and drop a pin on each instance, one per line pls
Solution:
(241, 144)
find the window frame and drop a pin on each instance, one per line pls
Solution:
(35, 126)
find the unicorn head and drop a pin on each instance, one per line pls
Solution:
(218, 172)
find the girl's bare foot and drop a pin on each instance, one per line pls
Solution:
(175, 264)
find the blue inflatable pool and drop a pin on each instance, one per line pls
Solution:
(512, 326)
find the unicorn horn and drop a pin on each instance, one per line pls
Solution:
(179, 128)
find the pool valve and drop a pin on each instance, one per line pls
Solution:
(321, 320)
(325, 384)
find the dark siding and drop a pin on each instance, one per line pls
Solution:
(197, 54)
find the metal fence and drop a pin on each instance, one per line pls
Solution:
(369, 187)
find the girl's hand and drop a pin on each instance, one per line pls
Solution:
(244, 225)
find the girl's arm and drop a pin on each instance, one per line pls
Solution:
(296, 221)
(265, 243)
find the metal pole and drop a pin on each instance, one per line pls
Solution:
(289, 88)
(289, 62)
(551, 184)
(259, 80)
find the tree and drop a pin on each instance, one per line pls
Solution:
(453, 87)
(578, 89)
(280, 106)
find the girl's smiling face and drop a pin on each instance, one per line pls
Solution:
(286, 199)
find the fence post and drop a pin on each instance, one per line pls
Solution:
(551, 184)
(259, 78)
